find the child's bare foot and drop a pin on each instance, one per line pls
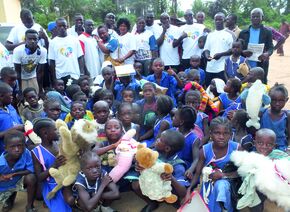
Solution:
(8, 205)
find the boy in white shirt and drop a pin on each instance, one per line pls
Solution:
(29, 60)
(65, 55)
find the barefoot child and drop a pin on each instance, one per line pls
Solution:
(16, 167)
(93, 186)
(46, 155)
(216, 154)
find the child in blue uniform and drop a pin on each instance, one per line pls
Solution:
(93, 185)
(216, 154)
(277, 119)
(16, 167)
(231, 95)
(184, 119)
(46, 155)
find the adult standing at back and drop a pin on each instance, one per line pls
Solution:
(126, 43)
(168, 47)
(17, 35)
(217, 46)
(65, 54)
(189, 38)
(78, 27)
(90, 49)
(284, 30)
(258, 34)
(231, 24)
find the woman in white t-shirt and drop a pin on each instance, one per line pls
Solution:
(127, 43)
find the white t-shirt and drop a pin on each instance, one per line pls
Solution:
(65, 52)
(167, 53)
(156, 29)
(91, 54)
(143, 51)
(17, 34)
(28, 61)
(72, 31)
(127, 43)
(217, 42)
(5, 57)
(190, 44)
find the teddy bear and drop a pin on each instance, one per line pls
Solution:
(255, 97)
(125, 152)
(28, 128)
(150, 181)
(80, 138)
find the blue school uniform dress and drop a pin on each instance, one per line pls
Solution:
(24, 163)
(8, 119)
(226, 102)
(186, 153)
(119, 87)
(46, 159)
(201, 73)
(232, 67)
(199, 119)
(278, 126)
(221, 188)
(166, 81)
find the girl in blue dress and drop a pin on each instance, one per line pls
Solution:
(46, 155)
(216, 192)
(164, 121)
(184, 119)
(277, 119)
(231, 95)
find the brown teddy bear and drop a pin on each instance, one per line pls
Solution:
(80, 138)
(150, 181)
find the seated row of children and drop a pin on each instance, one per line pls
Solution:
(190, 133)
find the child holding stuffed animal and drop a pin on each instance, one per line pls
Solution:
(78, 111)
(46, 155)
(276, 118)
(125, 115)
(215, 154)
(184, 119)
(93, 188)
(170, 143)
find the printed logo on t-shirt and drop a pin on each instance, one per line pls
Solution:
(22, 38)
(4, 54)
(67, 52)
(169, 38)
(194, 35)
(30, 66)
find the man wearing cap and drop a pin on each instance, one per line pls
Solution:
(51, 27)
(189, 38)
(90, 49)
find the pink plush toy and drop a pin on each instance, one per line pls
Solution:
(124, 154)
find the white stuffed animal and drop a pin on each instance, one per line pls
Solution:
(28, 128)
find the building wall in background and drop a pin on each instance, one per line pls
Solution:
(9, 11)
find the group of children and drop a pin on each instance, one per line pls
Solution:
(190, 126)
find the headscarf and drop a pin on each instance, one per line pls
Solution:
(57, 96)
(219, 84)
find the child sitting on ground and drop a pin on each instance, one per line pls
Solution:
(126, 82)
(138, 67)
(84, 84)
(94, 187)
(169, 145)
(108, 96)
(125, 115)
(77, 111)
(183, 120)
(216, 154)
(34, 109)
(108, 75)
(46, 155)
(52, 110)
(128, 95)
(16, 167)
(194, 63)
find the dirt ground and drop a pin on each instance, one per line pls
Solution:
(279, 71)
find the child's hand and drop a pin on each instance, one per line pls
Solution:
(188, 174)
(59, 161)
(216, 175)
(247, 53)
(138, 168)
(6, 177)
(106, 180)
(19, 127)
(171, 72)
(115, 145)
(187, 197)
(166, 177)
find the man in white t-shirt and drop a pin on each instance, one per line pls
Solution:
(65, 54)
(78, 28)
(29, 60)
(17, 35)
(5, 57)
(90, 49)
(189, 38)
(166, 41)
(217, 47)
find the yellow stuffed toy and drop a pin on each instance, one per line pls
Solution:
(150, 181)
(80, 138)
